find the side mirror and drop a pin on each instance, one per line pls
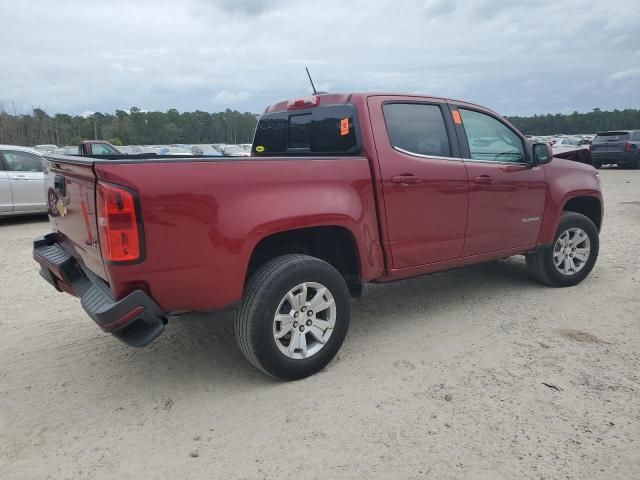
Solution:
(542, 153)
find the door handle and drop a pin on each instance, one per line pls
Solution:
(19, 177)
(483, 179)
(405, 179)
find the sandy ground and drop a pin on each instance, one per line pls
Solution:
(476, 373)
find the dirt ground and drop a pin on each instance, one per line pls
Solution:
(476, 373)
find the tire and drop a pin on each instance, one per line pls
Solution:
(266, 295)
(542, 266)
(597, 165)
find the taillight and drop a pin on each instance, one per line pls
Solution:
(306, 102)
(117, 224)
(628, 147)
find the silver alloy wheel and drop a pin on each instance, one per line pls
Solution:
(304, 320)
(571, 251)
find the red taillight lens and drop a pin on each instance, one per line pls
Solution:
(628, 147)
(117, 224)
(306, 102)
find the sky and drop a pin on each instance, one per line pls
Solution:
(519, 57)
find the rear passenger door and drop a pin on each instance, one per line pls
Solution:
(424, 181)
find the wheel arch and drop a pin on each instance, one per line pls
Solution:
(589, 206)
(335, 244)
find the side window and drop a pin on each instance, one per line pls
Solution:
(417, 128)
(22, 161)
(102, 149)
(636, 137)
(490, 139)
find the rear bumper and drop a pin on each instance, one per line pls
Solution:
(625, 158)
(135, 319)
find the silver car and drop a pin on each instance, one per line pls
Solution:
(22, 181)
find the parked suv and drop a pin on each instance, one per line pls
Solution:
(621, 147)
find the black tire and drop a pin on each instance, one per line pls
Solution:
(597, 165)
(263, 293)
(541, 265)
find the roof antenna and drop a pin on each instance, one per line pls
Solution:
(312, 85)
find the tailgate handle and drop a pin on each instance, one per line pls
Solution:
(60, 186)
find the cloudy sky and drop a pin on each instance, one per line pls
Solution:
(516, 56)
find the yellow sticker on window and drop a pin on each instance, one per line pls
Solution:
(259, 149)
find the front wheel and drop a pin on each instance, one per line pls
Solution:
(294, 316)
(571, 257)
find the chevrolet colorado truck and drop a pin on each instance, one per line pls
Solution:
(340, 190)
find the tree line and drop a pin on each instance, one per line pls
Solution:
(592, 122)
(133, 127)
(137, 127)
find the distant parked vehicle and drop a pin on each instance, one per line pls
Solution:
(235, 151)
(620, 147)
(207, 150)
(182, 151)
(567, 141)
(47, 148)
(22, 182)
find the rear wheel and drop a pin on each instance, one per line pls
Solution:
(572, 256)
(294, 316)
(597, 164)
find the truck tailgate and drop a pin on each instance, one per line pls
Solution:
(73, 210)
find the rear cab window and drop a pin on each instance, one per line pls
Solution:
(322, 130)
(611, 137)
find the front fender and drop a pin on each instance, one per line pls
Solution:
(565, 180)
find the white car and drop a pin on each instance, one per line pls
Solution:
(22, 181)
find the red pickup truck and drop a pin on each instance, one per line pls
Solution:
(340, 190)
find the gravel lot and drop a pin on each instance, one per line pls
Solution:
(473, 373)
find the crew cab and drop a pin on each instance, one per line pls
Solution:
(340, 190)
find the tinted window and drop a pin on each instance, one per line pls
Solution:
(490, 139)
(320, 130)
(299, 131)
(417, 128)
(636, 136)
(22, 162)
(611, 137)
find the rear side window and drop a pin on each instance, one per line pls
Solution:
(611, 137)
(417, 128)
(635, 137)
(332, 129)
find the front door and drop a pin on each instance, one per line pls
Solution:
(506, 195)
(424, 181)
(27, 180)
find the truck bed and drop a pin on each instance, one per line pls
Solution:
(202, 217)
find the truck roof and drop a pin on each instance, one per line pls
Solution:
(342, 98)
